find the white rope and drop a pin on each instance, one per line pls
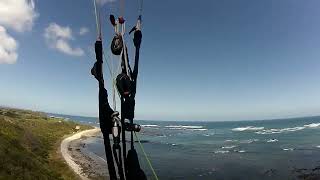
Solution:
(96, 14)
(113, 85)
(113, 78)
(125, 51)
(140, 2)
(109, 64)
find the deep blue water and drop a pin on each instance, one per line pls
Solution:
(270, 149)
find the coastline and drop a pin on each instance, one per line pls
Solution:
(84, 163)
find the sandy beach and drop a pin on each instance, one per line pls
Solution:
(84, 163)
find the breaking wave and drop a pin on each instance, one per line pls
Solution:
(199, 129)
(228, 147)
(184, 127)
(293, 129)
(231, 140)
(221, 152)
(181, 127)
(150, 125)
(249, 141)
(312, 125)
(272, 140)
(277, 131)
(247, 128)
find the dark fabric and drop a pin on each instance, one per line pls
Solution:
(123, 84)
(137, 38)
(116, 45)
(112, 20)
(134, 171)
(98, 51)
(107, 148)
(105, 111)
(128, 104)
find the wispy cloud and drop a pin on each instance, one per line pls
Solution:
(58, 37)
(19, 16)
(83, 31)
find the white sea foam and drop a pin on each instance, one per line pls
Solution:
(199, 129)
(228, 147)
(318, 146)
(184, 127)
(272, 140)
(292, 129)
(162, 136)
(242, 151)
(248, 128)
(312, 125)
(277, 131)
(221, 152)
(288, 149)
(149, 125)
(231, 140)
(249, 141)
(176, 128)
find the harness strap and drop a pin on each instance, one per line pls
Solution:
(118, 160)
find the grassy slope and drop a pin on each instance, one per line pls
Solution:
(29, 143)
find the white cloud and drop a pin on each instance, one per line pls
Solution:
(8, 48)
(17, 14)
(64, 47)
(58, 38)
(102, 2)
(54, 31)
(83, 31)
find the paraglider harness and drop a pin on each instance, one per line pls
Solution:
(126, 86)
(110, 122)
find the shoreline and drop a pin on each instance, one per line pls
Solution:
(85, 164)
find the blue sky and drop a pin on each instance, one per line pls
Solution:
(200, 60)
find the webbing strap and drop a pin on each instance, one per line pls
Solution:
(118, 160)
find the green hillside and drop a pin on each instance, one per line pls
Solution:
(29, 143)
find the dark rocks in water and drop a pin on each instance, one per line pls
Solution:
(308, 174)
(270, 172)
(143, 141)
(151, 132)
(316, 168)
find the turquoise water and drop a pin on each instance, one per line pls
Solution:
(271, 149)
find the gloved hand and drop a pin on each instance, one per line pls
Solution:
(137, 38)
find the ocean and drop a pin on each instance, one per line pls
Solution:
(269, 149)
